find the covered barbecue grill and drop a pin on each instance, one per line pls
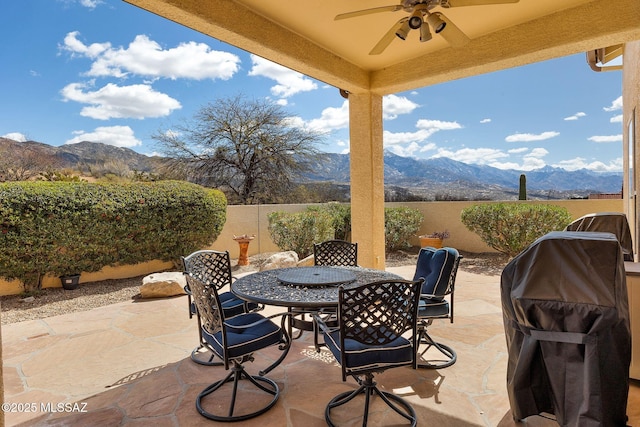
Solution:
(607, 222)
(566, 320)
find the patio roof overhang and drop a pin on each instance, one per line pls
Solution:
(303, 36)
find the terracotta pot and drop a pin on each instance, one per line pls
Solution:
(433, 242)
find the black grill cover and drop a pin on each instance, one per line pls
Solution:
(608, 222)
(566, 319)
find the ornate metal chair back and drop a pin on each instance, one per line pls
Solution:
(378, 313)
(336, 253)
(210, 267)
(205, 296)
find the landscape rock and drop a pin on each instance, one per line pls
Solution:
(280, 260)
(162, 285)
(307, 262)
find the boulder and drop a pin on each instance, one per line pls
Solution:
(280, 260)
(309, 261)
(162, 285)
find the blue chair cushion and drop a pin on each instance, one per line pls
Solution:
(433, 308)
(359, 356)
(233, 306)
(242, 341)
(435, 267)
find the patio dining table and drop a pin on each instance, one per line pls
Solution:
(303, 290)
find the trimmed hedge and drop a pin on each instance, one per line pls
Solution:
(299, 231)
(510, 228)
(61, 228)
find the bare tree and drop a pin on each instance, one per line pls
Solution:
(248, 148)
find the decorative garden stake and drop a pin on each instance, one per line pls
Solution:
(243, 242)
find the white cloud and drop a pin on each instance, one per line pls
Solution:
(527, 137)
(113, 101)
(606, 138)
(289, 82)
(16, 136)
(616, 119)
(596, 166)
(393, 105)
(119, 136)
(615, 105)
(91, 4)
(331, 118)
(407, 150)
(144, 57)
(518, 150)
(485, 121)
(437, 125)
(395, 138)
(477, 156)
(576, 116)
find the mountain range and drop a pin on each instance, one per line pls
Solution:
(425, 178)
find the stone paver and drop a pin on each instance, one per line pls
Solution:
(129, 363)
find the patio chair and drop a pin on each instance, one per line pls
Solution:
(213, 268)
(372, 319)
(607, 222)
(438, 268)
(234, 340)
(330, 253)
(336, 253)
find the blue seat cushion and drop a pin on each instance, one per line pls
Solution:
(359, 356)
(233, 306)
(435, 267)
(433, 308)
(242, 341)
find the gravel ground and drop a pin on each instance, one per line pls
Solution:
(54, 301)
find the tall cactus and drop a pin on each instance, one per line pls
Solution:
(522, 193)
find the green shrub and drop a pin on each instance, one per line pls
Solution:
(400, 225)
(510, 228)
(340, 218)
(63, 228)
(299, 231)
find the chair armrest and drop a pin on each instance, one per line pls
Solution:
(321, 324)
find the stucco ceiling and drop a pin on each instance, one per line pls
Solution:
(303, 35)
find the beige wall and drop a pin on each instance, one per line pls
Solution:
(631, 95)
(252, 220)
(438, 216)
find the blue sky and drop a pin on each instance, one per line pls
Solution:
(106, 71)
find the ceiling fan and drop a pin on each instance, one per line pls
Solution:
(421, 17)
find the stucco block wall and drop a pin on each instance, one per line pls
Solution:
(631, 133)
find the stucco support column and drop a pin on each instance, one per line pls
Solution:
(367, 178)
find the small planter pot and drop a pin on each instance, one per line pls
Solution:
(433, 242)
(70, 282)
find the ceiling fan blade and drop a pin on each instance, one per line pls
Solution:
(368, 12)
(459, 3)
(386, 40)
(452, 34)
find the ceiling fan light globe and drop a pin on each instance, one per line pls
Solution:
(415, 22)
(436, 22)
(425, 34)
(403, 31)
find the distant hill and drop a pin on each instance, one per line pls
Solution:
(81, 153)
(426, 178)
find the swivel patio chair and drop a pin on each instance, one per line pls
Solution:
(234, 340)
(330, 253)
(213, 268)
(336, 253)
(438, 268)
(372, 320)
